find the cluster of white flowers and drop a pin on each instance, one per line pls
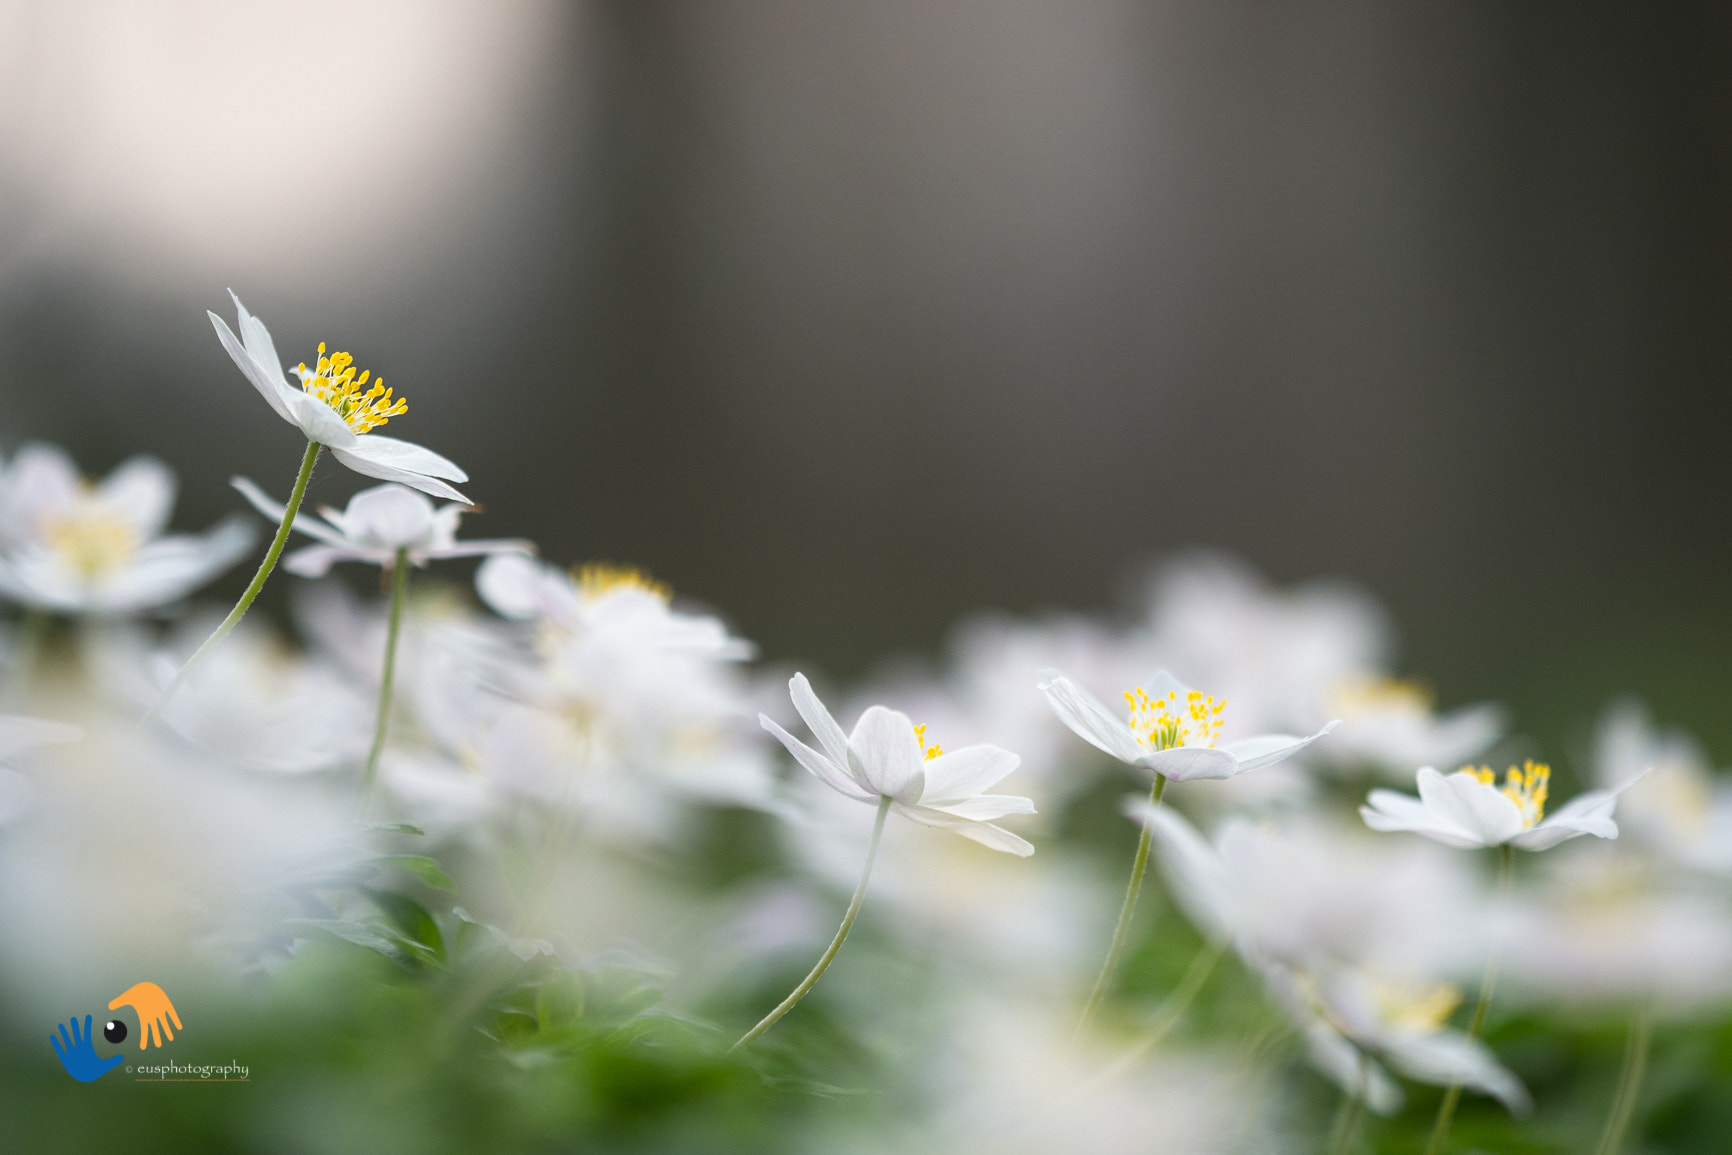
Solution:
(558, 736)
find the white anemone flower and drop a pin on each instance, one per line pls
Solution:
(1466, 809)
(334, 408)
(73, 547)
(1171, 730)
(376, 524)
(1328, 929)
(1682, 812)
(887, 757)
(1390, 724)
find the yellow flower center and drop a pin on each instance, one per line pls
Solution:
(1525, 786)
(334, 382)
(601, 579)
(1383, 695)
(931, 751)
(92, 542)
(1163, 723)
(1415, 1006)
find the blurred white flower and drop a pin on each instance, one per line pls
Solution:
(1171, 729)
(255, 702)
(1010, 1079)
(985, 692)
(335, 409)
(1680, 811)
(70, 547)
(887, 756)
(1601, 926)
(1391, 725)
(1339, 938)
(1466, 809)
(611, 641)
(1272, 653)
(377, 523)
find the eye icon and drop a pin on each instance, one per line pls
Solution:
(114, 1031)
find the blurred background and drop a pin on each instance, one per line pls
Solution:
(851, 319)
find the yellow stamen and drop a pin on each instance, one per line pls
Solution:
(931, 751)
(334, 382)
(1416, 1006)
(91, 541)
(602, 579)
(1163, 723)
(1383, 695)
(1526, 786)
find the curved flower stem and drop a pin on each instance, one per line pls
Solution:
(253, 588)
(829, 956)
(1139, 865)
(1452, 1096)
(399, 594)
(1629, 1083)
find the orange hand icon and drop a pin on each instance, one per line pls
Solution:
(154, 1012)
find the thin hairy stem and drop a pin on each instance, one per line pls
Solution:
(1629, 1083)
(399, 594)
(253, 588)
(811, 980)
(1452, 1096)
(1139, 866)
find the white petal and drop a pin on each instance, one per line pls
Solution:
(41, 480)
(319, 421)
(1442, 1058)
(480, 547)
(1183, 763)
(885, 755)
(1464, 801)
(371, 468)
(1193, 869)
(1391, 812)
(273, 393)
(965, 773)
(1091, 721)
(816, 764)
(315, 561)
(140, 492)
(406, 455)
(985, 833)
(1589, 813)
(985, 807)
(171, 567)
(274, 511)
(1268, 749)
(818, 719)
(511, 585)
(389, 516)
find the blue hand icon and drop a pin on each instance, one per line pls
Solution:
(79, 1056)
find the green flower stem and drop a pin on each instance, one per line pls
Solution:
(1139, 866)
(1629, 1083)
(1452, 1096)
(399, 594)
(253, 588)
(811, 980)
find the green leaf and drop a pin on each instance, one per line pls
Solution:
(417, 929)
(426, 869)
(354, 932)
